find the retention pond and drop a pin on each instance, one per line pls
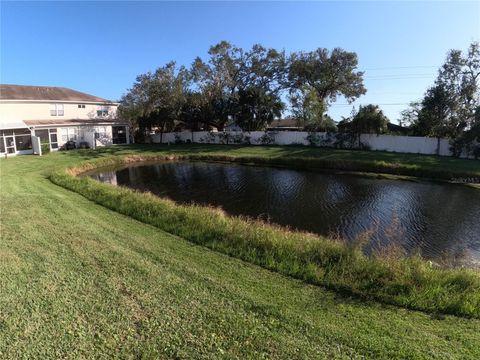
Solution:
(440, 221)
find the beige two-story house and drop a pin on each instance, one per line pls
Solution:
(59, 117)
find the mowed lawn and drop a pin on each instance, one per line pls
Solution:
(80, 281)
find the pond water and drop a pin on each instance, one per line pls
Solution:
(441, 221)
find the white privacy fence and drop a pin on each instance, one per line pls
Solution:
(407, 144)
(36, 145)
(392, 143)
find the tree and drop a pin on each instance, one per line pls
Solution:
(130, 112)
(156, 100)
(409, 116)
(257, 109)
(368, 119)
(217, 81)
(448, 107)
(243, 86)
(469, 140)
(329, 74)
(309, 111)
(133, 105)
(460, 76)
(264, 69)
(230, 70)
(435, 114)
(168, 95)
(196, 112)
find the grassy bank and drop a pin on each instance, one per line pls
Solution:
(386, 277)
(301, 157)
(80, 281)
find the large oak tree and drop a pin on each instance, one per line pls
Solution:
(329, 73)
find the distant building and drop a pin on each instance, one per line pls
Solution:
(398, 129)
(56, 115)
(285, 125)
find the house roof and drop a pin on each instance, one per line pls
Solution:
(287, 123)
(38, 93)
(398, 128)
(72, 122)
(13, 125)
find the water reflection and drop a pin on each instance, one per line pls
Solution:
(435, 219)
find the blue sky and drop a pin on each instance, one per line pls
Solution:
(100, 47)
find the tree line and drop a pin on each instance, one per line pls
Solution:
(250, 88)
(451, 106)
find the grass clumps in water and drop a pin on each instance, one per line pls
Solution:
(385, 276)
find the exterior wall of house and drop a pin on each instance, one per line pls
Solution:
(55, 135)
(95, 136)
(11, 111)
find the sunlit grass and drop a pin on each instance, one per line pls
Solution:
(405, 281)
(79, 281)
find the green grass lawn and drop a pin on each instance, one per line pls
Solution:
(80, 281)
(426, 162)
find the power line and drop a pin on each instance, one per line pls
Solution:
(402, 67)
(400, 78)
(386, 104)
(397, 75)
(394, 92)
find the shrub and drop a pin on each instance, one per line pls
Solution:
(225, 138)
(266, 139)
(209, 138)
(241, 139)
(45, 148)
(313, 139)
(178, 139)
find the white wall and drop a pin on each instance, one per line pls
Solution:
(408, 144)
(11, 111)
(391, 143)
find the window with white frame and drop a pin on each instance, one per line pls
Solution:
(69, 134)
(81, 106)
(102, 110)
(56, 110)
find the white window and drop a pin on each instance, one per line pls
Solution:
(102, 110)
(69, 134)
(56, 110)
(81, 106)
